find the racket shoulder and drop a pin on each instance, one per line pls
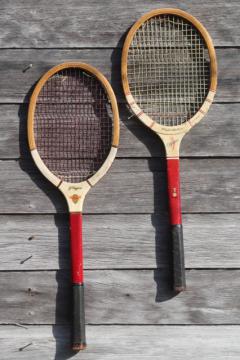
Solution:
(44, 169)
(172, 136)
(203, 109)
(105, 166)
(75, 192)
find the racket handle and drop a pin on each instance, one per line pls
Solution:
(78, 313)
(178, 259)
(78, 321)
(176, 224)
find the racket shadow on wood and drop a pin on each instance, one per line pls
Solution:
(62, 301)
(163, 273)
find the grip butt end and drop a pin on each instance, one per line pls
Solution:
(179, 289)
(79, 347)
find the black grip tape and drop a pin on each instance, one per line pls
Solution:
(78, 321)
(178, 259)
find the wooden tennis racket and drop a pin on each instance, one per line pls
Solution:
(73, 134)
(169, 76)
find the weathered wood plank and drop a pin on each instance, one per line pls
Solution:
(123, 342)
(131, 186)
(31, 242)
(91, 23)
(144, 295)
(217, 135)
(16, 82)
(125, 240)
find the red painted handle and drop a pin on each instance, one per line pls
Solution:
(76, 247)
(176, 222)
(174, 191)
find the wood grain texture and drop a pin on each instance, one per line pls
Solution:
(130, 186)
(17, 80)
(126, 238)
(32, 242)
(91, 23)
(121, 342)
(145, 297)
(216, 135)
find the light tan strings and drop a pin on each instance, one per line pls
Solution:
(168, 69)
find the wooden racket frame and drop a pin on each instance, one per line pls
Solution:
(170, 135)
(74, 192)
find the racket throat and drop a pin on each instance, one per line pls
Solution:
(172, 144)
(74, 194)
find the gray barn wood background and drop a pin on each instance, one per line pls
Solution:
(131, 310)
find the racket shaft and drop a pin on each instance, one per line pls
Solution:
(78, 313)
(176, 224)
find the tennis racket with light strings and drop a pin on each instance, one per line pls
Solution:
(73, 133)
(169, 75)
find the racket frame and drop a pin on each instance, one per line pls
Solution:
(171, 136)
(75, 193)
(177, 131)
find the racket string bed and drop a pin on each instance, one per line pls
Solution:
(73, 127)
(168, 69)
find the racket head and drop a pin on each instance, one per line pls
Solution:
(73, 128)
(132, 70)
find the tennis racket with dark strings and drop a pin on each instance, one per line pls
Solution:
(73, 133)
(169, 75)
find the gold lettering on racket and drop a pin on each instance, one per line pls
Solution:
(74, 188)
(173, 142)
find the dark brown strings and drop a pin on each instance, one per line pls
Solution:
(73, 125)
(168, 69)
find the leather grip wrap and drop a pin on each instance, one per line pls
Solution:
(178, 259)
(78, 320)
